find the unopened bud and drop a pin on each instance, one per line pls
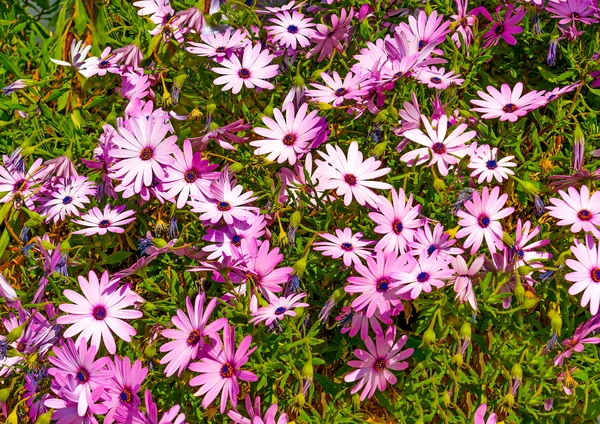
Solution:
(531, 302)
(211, 107)
(307, 370)
(525, 270)
(159, 242)
(15, 334)
(13, 418)
(516, 372)
(519, 291)
(4, 394)
(556, 322)
(527, 186)
(465, 331)
(268, 111)
(429, 337)
(295, 219)
(300, 266)
(236, 167)
(379, 148)
(578, 148)
(298, 81)
(439, 185)
(458, 360)
(45, 418)
(150, 352)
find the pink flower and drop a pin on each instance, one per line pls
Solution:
(278, 308)
(350, 176)
(352, 321)
(571, 11)
(525, 255)
(224, 136)
(344, 245)
(576, 343)
(219, 46)
(463, 283)
(99, 312)
(101, 222)
(428, 272)
(134, 416)
(353, 87)
(78, 51)
(254, 412)
(433, 77)
(189, 337)
(67, 197)
(430, 30)
(327, 39)
(287, 138)
(397, 221)
(376, 285)
(373, 367)
(291, 30)
(251, 72)
(586, 275)
(19, 185)
(503, 27)
(464, 23)
(431, 243)
(227, 239)
(479, 417)
(260, 264)
(441, 148)
(486, 165)
(577, 209)
(507, 104)
(481, 220)
(221, 370)
(126, 382)
(100, 65)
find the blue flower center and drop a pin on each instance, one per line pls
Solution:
(99, 313)
(292, 29)
(340, 92)
(521, 253)
(104, 64)
(491, 164)
(422, 277)
(499, 29)
(67, 199)
(221, 49)
(439, 148)
(105, 223)
(383, 284)
(397, 227)
(484, 221)
(347, 247)
(126, 395)
(509, 108)
(431, 249)
(82, 376)
(244, 73)
(190, 176)
(226, 370)
(279, 310)
(436, 80)
(350, 179)
(236, 240)
(20, 185)
(584, 215)
(422, 44)
(289, 139)
(194, 338)
(223, 206)
(595, 274)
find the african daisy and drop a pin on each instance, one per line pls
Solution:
(505, 27)
(278, 308)
(427, 272)
(487, 166)
(507, 104)
(344, 245)
(571, 11)
(291, 29)
(20, 186)
(577, 209)
(352, 87)
(586, 275)
(218, 46)
(436, 242)
(433, 77)
(67, 197)
(127, 379)
(101, 222)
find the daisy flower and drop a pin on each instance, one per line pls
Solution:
(278, 308)
(190, 335)
(67, 197)
(100, 65)
(525, 254)
(482, 219)
(261, 266)
(576, 343)
(559, 91)
(507, 104)
(586, 275)
(376, 285)
(101, 222)
(571, 11)
(577, 209)
(344, 245)
(427, 272)
(436, 242)
(285, 139)
(433, 77)
(328, 38)
(354, 321)
(463, 280)
(19, 185)
(397, 221)
(350, 176)
(227, 239)
(135, 416)
(441, 148)
(375, 364)
(251, 72)
(479, 417)
(291, 29)
(126, 382)
(487, 166)
(79, 52)
(218, 46)
(189, 176)
(352, 87)
(429, 29)
(505, 27)
(255, 411)
(99, 312)
(221, 370)
(224, 136)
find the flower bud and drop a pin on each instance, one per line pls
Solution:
(439, 185)
(295, 219)
(324, 106)
(27, 151)
(268, 111)
(356, 401)
(429, 337)
(159, 242)
(13, 418)
(516, 372)
(578, 148)
(525, 270)
(446, 398)
(307, 370)
(299, 399)
(300, 266)
(211, 107)
(150, 352)
(298, 81)
(527, 186)
(4, 394)
(379, 148)
(236, 167)
(465, 331)
(15, 334)
(531, 303)
(45, 418)
(458, 360)
(519, 291)
(556, 322)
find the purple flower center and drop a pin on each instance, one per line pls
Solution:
(20, 185)
(499, 29)
(190, 176)
(253, 277)
(551, 97)
(422, 44)
(194, 338)
(292, 29)
(491, 164)
(99, 313)
(289, 139)
(575, 15)
(422, 277)
(341, 92)
(20, 347)
(347, 247)
(383, 284)
(350, 179)
(223, 206)
(436, 80)
(67, 199)
(221, 49)
(279, 310)
(105, 223)
(226, 370)
(397, 227)
(236, 240)
(146, 153)
(431, 249)
(104, 64)
(82, 376)
(595, 274)
(126, 395)
(439, 148)
(244, 73)
(584, 215)
(509, 108)
(379, 365)
(484, 221)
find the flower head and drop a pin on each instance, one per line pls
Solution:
(344, 245)
(291, 29)
(586, 273)
(577, 209)
(67, 197)
(507, 104)
(487, 166)
(108, 220)
(278, 308)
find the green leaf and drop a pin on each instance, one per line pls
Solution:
(81, 17)
(4, 211)
(4, 242)
(117, 257)
(328, 386)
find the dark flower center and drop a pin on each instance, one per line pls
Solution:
(99, 313)
(221, 49)
(104, 64)
(253, 277)
(126, 395)
(521, 253)
(289, 139)
(595, 274)
(347, 247)
(105, 223)
(484, 221)
(422, 277)
(422, 44)
(431, 249)
(383, 284)
(574, 15)
(194, 338)
(190, 176)
(292, 29)
(551, 97)
(279, 310)
(236, 240)
(499, 29)
(379, 365)
(226, 370)
(20, 347)
(436, 80)
(82, 376)
(491, 164)
(223, 206)
(244, 73)
(67, 199)
(439, 148)
(350, 179)
(146, 153)
(340, 92)
(584, 215)
(509, 108)
(397, 227)
(20, 185)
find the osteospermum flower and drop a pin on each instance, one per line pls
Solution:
(463, 280)
(576, 343)
(525, 254)
(479, 417)
(261, 266)
(79, 51)
(507, 104)
(571, 11)
(99, 312)
(344, 245)
(436, 242)
(254, 68)
(352, 87)
(375, 364)
(278, 308)
(101, 222)
(67, 197)
(19, 185)
(350, 176)
(503, 28)
(285, 139)
(441, 148)
(255, 415)
(429, 29)
(428, 272)
(433, 77)
(126, 382)
(482, 219)
(189, 337)
(327, 39)
(577, 209)
(135, 416)
(397, 221)
(218, 46)
(291, 29)
(586, 275)
(487, 166)
(221, 370)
